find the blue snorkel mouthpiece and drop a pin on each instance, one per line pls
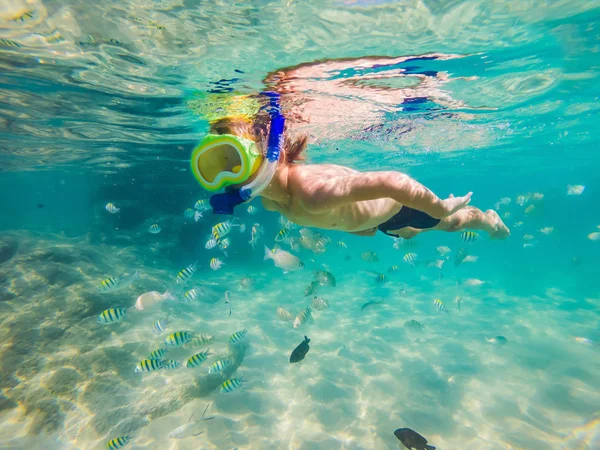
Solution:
(224, 203)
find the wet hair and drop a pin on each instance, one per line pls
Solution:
(257, 130)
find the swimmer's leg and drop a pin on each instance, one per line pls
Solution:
(474, 219)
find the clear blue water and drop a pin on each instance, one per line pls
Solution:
(94, 108)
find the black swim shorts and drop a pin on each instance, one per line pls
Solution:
(408, 217)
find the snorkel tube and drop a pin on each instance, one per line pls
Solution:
(224, 203)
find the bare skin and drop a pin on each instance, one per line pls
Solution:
(338, 198)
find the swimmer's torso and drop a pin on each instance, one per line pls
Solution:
(309, 182)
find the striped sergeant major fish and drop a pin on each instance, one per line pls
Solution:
(197, 359)
(460, 256)
(178, 338)
(439, 305)
(219, 366)
(160, 326)
(186, 274)
(111, 315)
(410, 258)
(158, 354)
(112, 284)
(231, 385)
(222, 229)
(171, 364)
(282, 235)
(304, 316)
(238, 336)
(469, 236)
(148, 365)
(116, 443)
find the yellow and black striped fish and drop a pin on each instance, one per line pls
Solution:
(282, 235)
(158, 354)
(218, 366)
(220, 230)
(148, 365)
(237, 336)
(109, 284)
(111, 315)
(197, 359)
(10, 43)
(394, 268)
(200, 340)
(186, 274)
(27, 15)
(231, 385)
(117, 443)
(439, 305)
(469, 236)
(178, 338)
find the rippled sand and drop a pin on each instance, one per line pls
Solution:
(68, 382)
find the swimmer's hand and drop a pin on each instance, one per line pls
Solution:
(453, 204)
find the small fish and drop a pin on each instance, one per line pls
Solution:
(210, 244)
(300, 351)
(231, 385)
(219, 366)
(460, 256)
(413, 324)
(439, 305)
(112, 208)
(394, 268)
(112, 284)
(527, 237)
(199, 341)
(12, 44)
(283, 314)
(286, 223)
(529, 209)
(154, 229)
(371, 303)
(502, 202)
(470, 258)
(537, 196)
(282, 235)
(438, 263)
(473, 282)
(238, 336)
(188, 213)
(202, 205)
(521, 200)
(497, 340)
(469, 236)
(284, 260)
(575, 190)
(158, 354)
(190, 428)
(586, 341)
(228, 302)
(224, 245)
(303, 317)
(246, 282)
(458, 301)
(325, 278)
(403, 243)
(518, 224)
(190, 295)
(112, 315)
(342, 245)
(22, 17)
(369, 257)
(242, 228)
(197, 216)
(171, 364)
(410, 258)
(197, 359)
(443, 250)
(412, 440)
(547, 230)
(178, 338)
(378, 277)
(311, 288)
(116, 443)
(148, 365)
(255, 234)
(319, 303)
(594, 236)
(216, 263)
(252, 210)
(185, 274)
(160, 326)
(222, 229)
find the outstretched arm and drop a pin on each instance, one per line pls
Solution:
(358, 187)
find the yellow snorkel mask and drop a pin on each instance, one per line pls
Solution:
(222, 160)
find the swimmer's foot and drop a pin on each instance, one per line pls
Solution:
(497, 229)
(453, 204)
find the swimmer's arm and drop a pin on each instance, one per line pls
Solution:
(340, 191)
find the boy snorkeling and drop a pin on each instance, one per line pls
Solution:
(252, 157)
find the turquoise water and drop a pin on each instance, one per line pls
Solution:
(94, 108)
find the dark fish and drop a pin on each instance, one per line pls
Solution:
(412, 440)
(40, 205)
(366, 305)
(413, 324)
(300, 352)
(347, 258)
